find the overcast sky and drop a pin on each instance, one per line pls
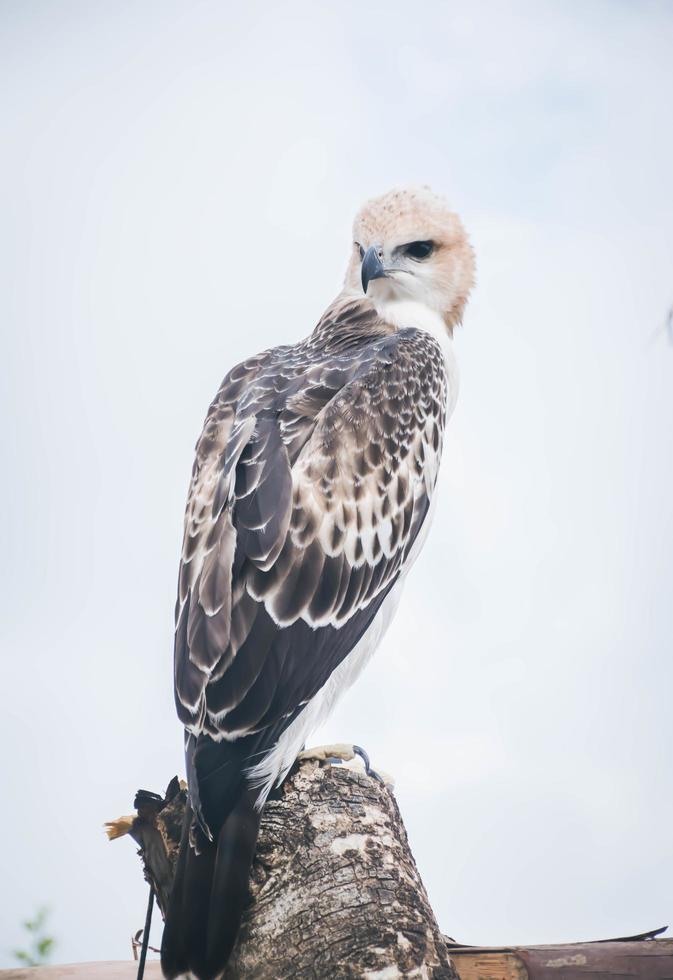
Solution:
(178, 182)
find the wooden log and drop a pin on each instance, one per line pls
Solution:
(647, 960)
(104, 970)
(335, 889)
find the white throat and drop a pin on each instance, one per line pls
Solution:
(412, 313)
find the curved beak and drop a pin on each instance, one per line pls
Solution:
(371, 267)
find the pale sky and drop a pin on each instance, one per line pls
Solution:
(178, 182)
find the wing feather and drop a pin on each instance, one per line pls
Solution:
(312, 480)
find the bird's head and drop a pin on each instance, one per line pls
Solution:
(409, 247)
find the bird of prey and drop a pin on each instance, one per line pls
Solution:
(311, 494)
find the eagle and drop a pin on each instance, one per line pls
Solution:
(311, 494)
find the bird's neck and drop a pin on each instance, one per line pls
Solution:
(397, 313)
(402, 313)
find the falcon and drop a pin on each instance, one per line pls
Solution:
(311, 495)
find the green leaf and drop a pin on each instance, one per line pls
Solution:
(45, 946)
(23, 957)
(41, 945)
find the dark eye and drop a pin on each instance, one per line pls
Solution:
(362, 251)
(419, 250)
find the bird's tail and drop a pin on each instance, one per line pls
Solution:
(210, 891)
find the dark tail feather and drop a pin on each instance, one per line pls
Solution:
(230, 890)
(210, 891)
(173, 948)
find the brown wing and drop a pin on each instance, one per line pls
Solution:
(312, 480)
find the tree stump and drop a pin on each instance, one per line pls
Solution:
(335, 891)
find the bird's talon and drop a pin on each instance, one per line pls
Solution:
(365, 758)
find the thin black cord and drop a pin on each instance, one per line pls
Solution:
(146, 935)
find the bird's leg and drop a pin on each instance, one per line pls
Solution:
(341, 752)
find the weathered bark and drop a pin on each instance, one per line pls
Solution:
(156, 827)
(647, 959)
(334, 888)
